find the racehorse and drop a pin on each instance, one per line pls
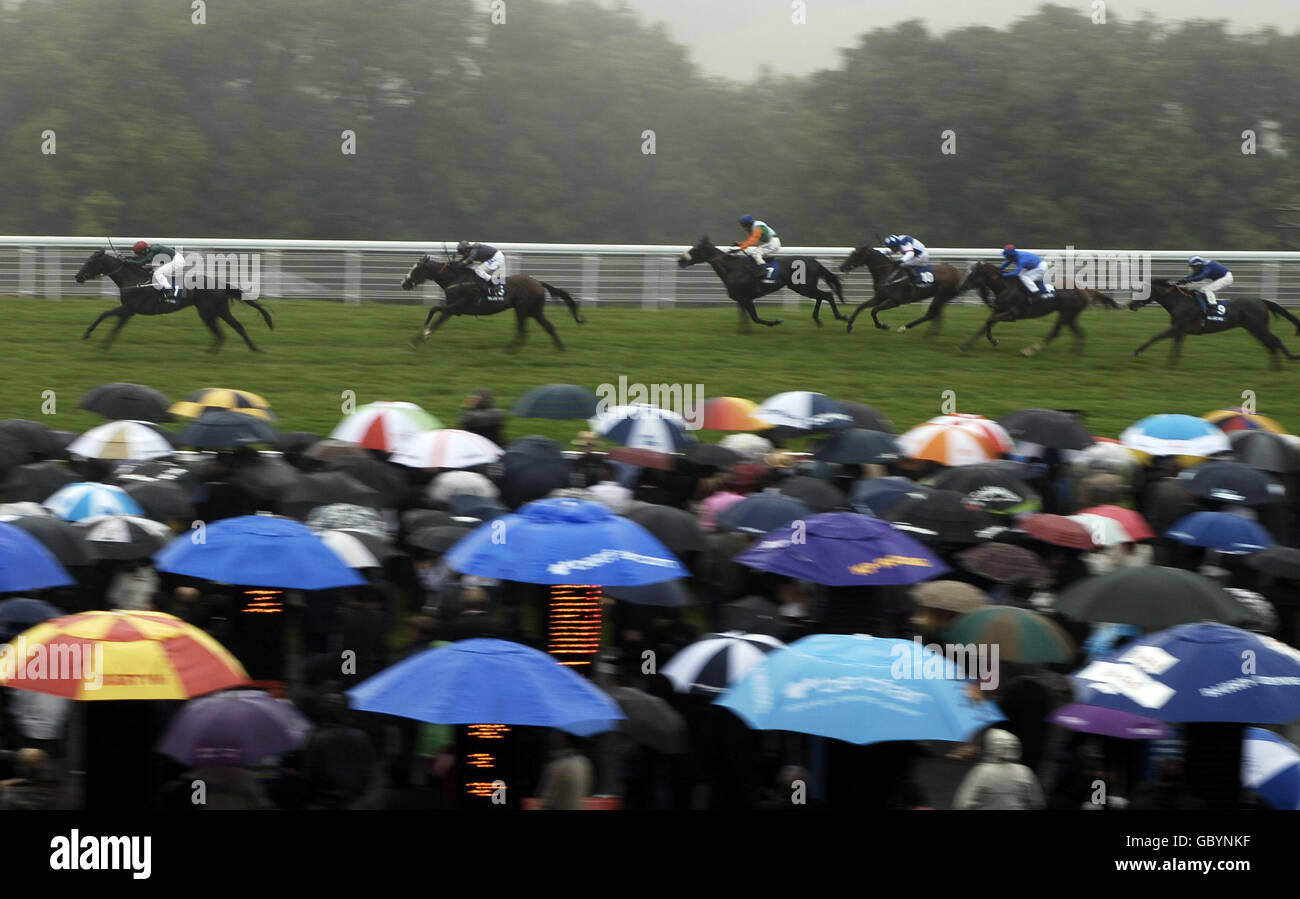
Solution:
(743, 284)
(464, 296)
(138, 296)
(894, 287)
(1185, 318)
(1011, 302)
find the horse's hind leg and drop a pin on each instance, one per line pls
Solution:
(1176, 351)
(550, 329)
(521, 331)
(230, 319)
(1073, 325)
(1273, 343)
(217, 337)
(934, 313)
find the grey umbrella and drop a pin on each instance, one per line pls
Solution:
(650, 721)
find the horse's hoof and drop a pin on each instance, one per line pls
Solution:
(902, 329)
(818, 322)
(994, 342)
(882, 327)
(1137, 353)
(1028, 351)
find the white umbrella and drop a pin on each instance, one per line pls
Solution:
(348, 548)
(121, 441)
(461, 483)
(446, 448)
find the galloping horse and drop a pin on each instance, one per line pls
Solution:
(463, 296)
(894, 287)
(1185, 318)
(137, 296)
(799, 273)
(1011, 303)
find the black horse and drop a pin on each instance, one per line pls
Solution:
(464, 296)
(138, 296)
(1011, 302)
(894, 287)
(744, 284)
(1185, 317)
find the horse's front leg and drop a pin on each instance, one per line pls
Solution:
(443, 315)
(103, 315)
(883, 306)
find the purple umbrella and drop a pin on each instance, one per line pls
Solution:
(844, 549)
(235, 727)
(1091, 719)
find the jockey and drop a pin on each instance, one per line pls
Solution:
(761, 242)
(168, 267)
(1216, 275)
(488, 263)
(912, 253)
(1031, 270)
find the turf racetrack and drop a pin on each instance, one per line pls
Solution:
(319, 350)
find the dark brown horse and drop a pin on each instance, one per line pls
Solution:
(894, 287)
(463, 296)
(1011, 303)
(1185, 317)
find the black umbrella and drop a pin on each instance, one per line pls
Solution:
(858, 445)
(1265, 450)
(294, 443)
(437, 539)
(61, 538)
(943, 516)
(816, 494)
(990, 488)
(122, 402)
(1279, 561)
(1050, 428)
(675, 528)
(34, 438)
(562, 402)
(128, 473)
(123, 536)
(12, 454)
(1151, 597)
(650, 721)
(661, 593)
(325, 488)
(223, 429)
(465, 507)
(711, 456)
(753, 615)
(531, 468)
(390, 480)
(265, 479)
(163, 500)
(37, 481)
(1233, 482)
(416, 519)
(866, 417)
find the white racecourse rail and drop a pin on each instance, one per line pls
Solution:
(647, 276)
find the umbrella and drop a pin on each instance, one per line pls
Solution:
(163, 500)
(30, 437)
(676, 529)
(751, 446)
(1132, 522)
(259, 551)
(1232, 482)
(1034, 430)
(866, 417)
(989, 488)
(415, 519)
(1185, 436)
(1091, 719)
(1106, 458)
(437, 539)
(816, 494)
(859, 689)
(751, 615)
(803, 410)
(37, 480)
(469, 508)
(561, 402)
(60, 537)
(10, 511)
(325, 488)
(643, 458)
(716, 661)
(947, 444)
(295, 443)
(388, 479)
(348, 517)
(670, 594)
(1238, 419)
(565, 541)
(21, 613)
(445, 448)
(986, 429)
(642, 426)
(1222, 531)
(1150, 597)
(133, 402)
(384, 425)
(1279, 561)
(486, 681)
(1265, 450)
(875, 496)
(943, 516)
(1059, 530)
(711, 456)
(844, 549)
(265, 479)
(119, 440)
(1271, 767)
(223, 429)
(234, 727)
(86, 499)
(329, 450)
(197, 404)
(950, 596)
(461, 483)
(759, 513)
(1196, 672)
(124, 655)
(650, 721)
(1019, 634)
(1104, 530)
(1005, 564)
(350, 549)
(857, 445)
(123, 536)
(732, 413)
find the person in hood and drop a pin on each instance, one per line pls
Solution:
(1000, 782)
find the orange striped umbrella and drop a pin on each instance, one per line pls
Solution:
(986, 429)
(732, 413)
(118, 655)
(947, 444)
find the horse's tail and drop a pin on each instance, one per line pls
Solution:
(833, 280)
(1097, 298)
(1280, 311)
(236, 294)
(566, 297)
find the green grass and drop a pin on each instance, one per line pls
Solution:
(319, 350)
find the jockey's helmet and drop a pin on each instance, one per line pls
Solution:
(892, 240)
(1009, 250)
(140, 248)
(1196, 261)
(747, 221)
(463, 247)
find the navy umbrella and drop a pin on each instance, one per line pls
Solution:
(224, 429)
(875, 496)
(531, 468)
(561, 402)
(858, 445)
(759, 513)
(20, 614)
(1221, 531)
(1232, 482)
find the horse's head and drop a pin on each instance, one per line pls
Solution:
(868, 256)
(422, 271)
(703, 251)
(1159, 287)
(96, 265)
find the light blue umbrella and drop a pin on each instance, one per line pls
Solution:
(1175, 435)
(258, 551)
(565, 541)
(1271, 767)
(1222, 531)
(87, 499)
(859, 689)
(485, 681)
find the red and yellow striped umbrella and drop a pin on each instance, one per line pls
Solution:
(1238, 419)
(118, 655)
(732, 413)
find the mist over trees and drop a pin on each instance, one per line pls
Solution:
(575, 123)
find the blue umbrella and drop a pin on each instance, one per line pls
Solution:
(859, 689)
(1197, 672)
(259, 551)
(485, 681)
(1222, 531)
(875, 496)
(1271, 767)
(565, 541)
(87, 499)
(21, 613)
(643, 427)
(25, 563)
(1233, 482)
(759, 513)
(844, 549)
(558, 401)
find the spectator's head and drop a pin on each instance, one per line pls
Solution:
(473, 599)
(29, 764)
(479, 399)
